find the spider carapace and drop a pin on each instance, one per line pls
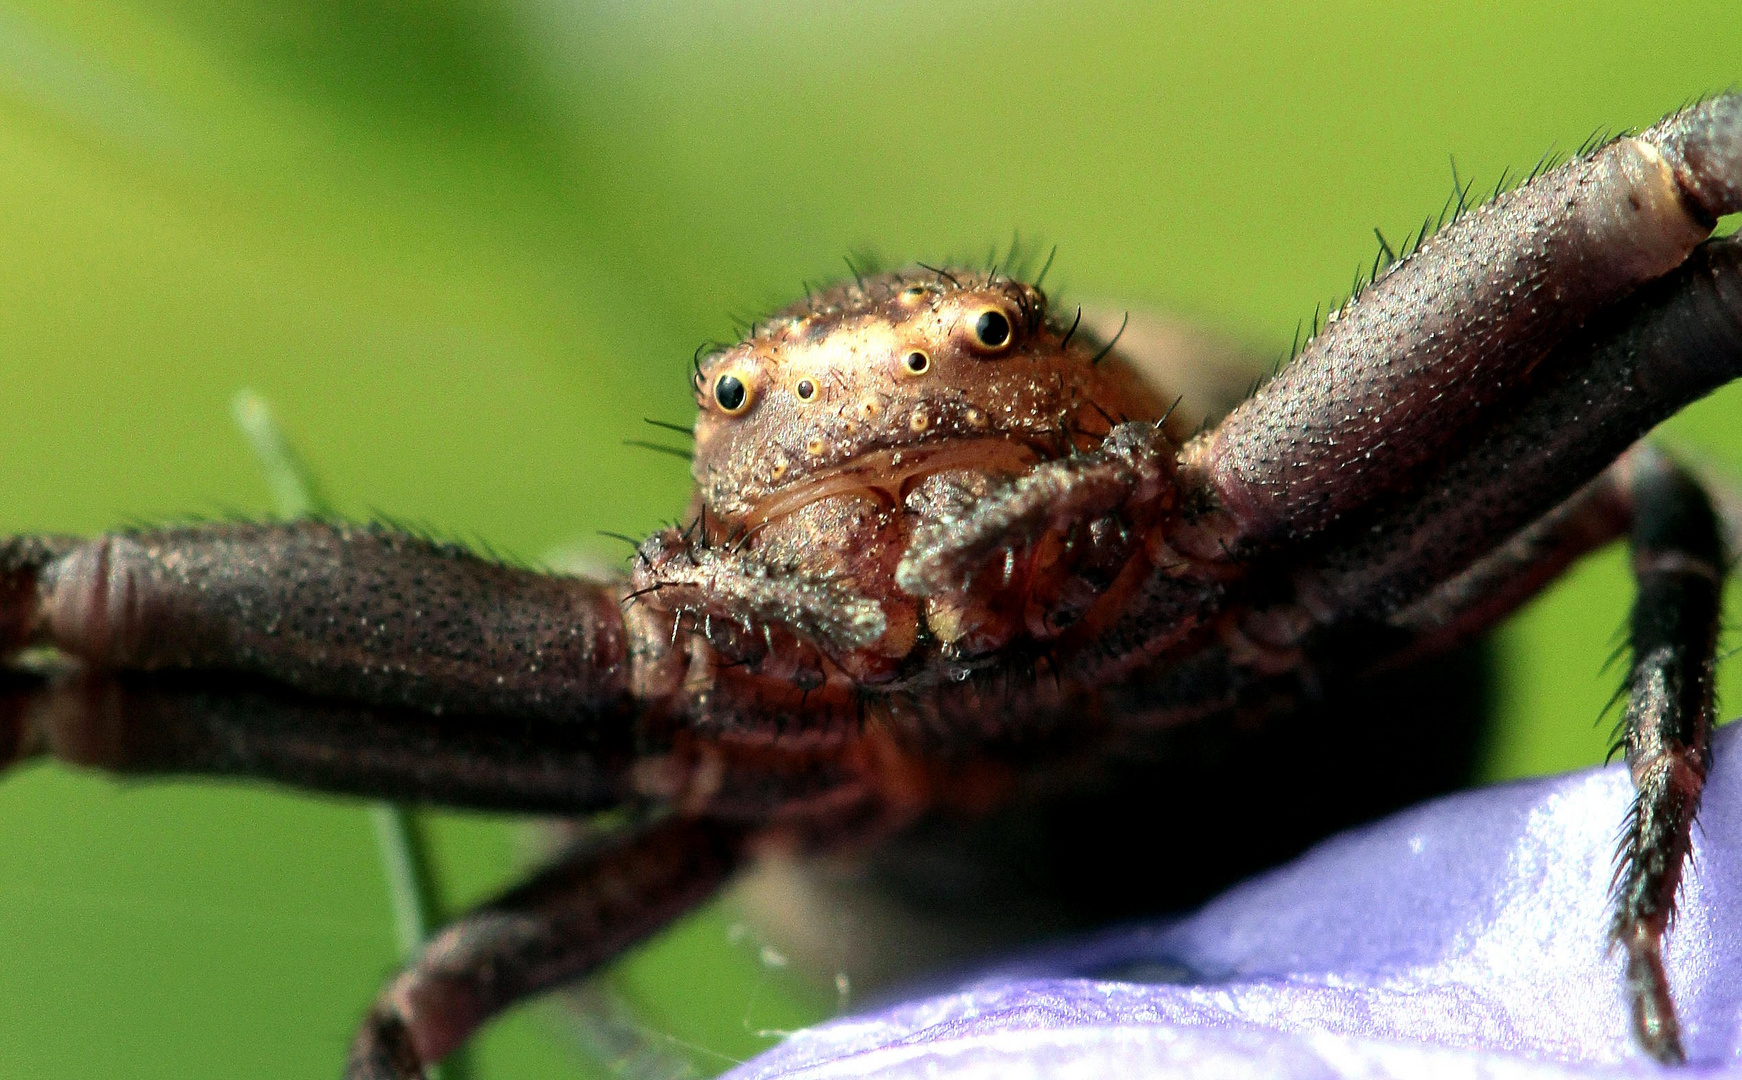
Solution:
(952, 553)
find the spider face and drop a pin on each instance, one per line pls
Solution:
(882, 382)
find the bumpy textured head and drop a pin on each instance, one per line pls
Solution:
(875, 384)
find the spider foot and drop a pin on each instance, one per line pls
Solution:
(1648, 997)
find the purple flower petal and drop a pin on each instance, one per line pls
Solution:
(1461, 938)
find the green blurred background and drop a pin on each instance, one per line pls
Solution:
(464, 246)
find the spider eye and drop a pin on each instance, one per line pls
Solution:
(992, 330)
(806, 390)
(916, 363)
(731, 394)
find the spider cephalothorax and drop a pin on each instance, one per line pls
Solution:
(891, 377)
(844, 423)
(946, 559)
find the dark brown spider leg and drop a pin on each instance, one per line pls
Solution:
(1403, 374)
(1679, 565)
(1467, 605)
(353, 659)
(244, 726)
(350, 612)
(1678, 560)
(1602, 390)
(1092, 507)
(561, 924)
(343, 658)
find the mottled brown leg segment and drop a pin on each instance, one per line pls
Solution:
(350, 659)
(1462, 608)
(563, 923)
(356, 613)
(1678, 560)
(1407, 371)
(239, 726)
(1599, 392)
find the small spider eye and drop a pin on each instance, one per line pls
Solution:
(731, 394)
(916, 363)
(992, 329)
(806, 390)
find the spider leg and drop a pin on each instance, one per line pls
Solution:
(1678, 560)
(1426, 355)
(242, 726)
(565, 921)
(1462, 607)
(347, 659)
(356, 660)
(1596, 395)
(355, 613)
(1679, 564)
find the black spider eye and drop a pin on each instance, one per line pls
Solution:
(992, 329)
(806, 390)
(731, 394)
(916, 363)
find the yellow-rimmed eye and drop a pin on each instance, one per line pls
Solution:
(991, 329)
(805, 390)
(731, 393)
(915, 363)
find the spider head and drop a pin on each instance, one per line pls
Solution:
(875, 383)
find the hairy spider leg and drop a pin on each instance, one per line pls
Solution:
(1594, 396)
(362, 661)
(567, 920)
(1402, 373)
(1679, 564)
(187, 723)
(358, 613)
(1666, 731)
